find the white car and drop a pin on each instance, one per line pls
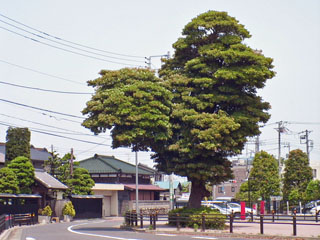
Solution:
(236, 207)
(315, 210)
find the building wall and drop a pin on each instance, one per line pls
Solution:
(109, 203)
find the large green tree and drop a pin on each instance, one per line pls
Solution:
(263, 179)
(17, 143)
(198, 113)
(24, 171)
(216, 106)
(297, 175)
(8, 181)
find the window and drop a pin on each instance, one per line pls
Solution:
(220, 189)
(233, 189)
(314, 173)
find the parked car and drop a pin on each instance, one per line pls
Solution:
(236, 207)
(223, 211)
(315, 210)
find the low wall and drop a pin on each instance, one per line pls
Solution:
(146, 206)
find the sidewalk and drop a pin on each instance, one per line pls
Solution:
(246, 230)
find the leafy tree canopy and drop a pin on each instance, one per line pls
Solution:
(134, 104)
(216, 106)
(17, 143)
(24, 171)
(8, 181)
(297, 174)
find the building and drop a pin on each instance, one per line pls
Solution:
(116, 181)
(231, 187)
(38, 156)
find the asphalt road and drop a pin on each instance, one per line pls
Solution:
(98, 229)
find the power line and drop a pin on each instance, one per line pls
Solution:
(55, 135)
(46, 125)
(44, 90)
(67, 45)
(61, 39)
(41, 109)
(67, 50)
(46, 74)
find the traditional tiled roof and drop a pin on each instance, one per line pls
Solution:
(109, 164)
(39, 154)
(47, 180)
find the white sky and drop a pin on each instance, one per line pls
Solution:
(288, 31)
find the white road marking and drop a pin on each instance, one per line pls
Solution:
(96, 235)
(30, 238)
(164, 234)
(204, 238)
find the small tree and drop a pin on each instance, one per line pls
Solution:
(313, 190)
(47, 211)
(17, 143)
(8, 181)
(53, 163)
(263, 179)
(81, 183)
(24, 170)
(297, 174)
(68, 209)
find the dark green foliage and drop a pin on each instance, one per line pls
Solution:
(134, 104)
(81, 182)
(214, 77)
(313, 190)
(191, 216)
(24, 171)
(297, 175)
(8, 181)
(17, 143)
(263, 179)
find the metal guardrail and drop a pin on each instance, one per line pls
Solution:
(132, 219)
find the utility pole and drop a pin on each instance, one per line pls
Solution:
(257, 143)
(148, 59)
(137, 186)
(304, 139)
(71, 163)
(280, 129)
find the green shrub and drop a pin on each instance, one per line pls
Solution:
(47, 211)
(191, 216)
(68, 209)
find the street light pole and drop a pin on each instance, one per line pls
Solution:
(137, 185)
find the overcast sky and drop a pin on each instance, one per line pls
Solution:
(287, 31)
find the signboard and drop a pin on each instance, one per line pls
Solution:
(275, 198)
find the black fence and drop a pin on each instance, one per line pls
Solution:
(10, 220)
(178, 220)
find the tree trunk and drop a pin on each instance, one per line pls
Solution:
(198, 192)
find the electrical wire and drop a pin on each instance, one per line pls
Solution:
(67, 45)
(46, 125)
(41, 109)
(36, 71)
(44, 90)
(61, 39)
(67, 50)
(55, 135)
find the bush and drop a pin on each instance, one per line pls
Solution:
(47, 211)
(68, 209)
(191, 216)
